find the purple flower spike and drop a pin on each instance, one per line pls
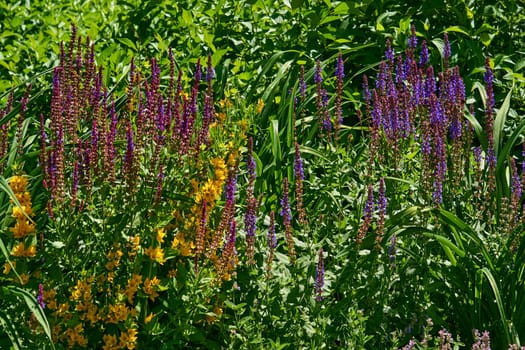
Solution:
(423, 56)
(381, 206)
(489, 80)
(446, 50)
(389, 54)
(340, 74)
(319, 277)
(299, 178)
(412, 41)
(302, 83)
(318, 79)
(40, 297)
(286, 213)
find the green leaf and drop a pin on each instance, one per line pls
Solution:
(457, 29)
(452, 220)
(128, 43)
(499, 122)
(508, 327)
(187, 17)
(447, 246)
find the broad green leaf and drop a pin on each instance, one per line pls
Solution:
(457, 29)
(128, 43)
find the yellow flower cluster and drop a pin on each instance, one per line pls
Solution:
(50, 299)
(132, 287)
(212, 189)
(20, 250)
(22, 213)
(155, 254)
(185, 248)
(209, 192)
(133, 247)
(75, 336)
(127, 340)
(151, 286)
(113, 256)
(23, 225)
(119, 313)
(24, 228)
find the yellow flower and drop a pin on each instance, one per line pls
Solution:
(232, 159)
(132, 287)
(82, 290)
(49, 299)
(20, 212)
(24, 278)
(7, 267)
(18, 183)
(128, 339)
(260, 105)
(134, 246)
(21, 251)
(113, 257)
(31, 251)
(219, 167)
(155, 254)
(110, 342)
(186, 248)
(22, 228)
(194, 183)
(160, 235)
(62, 309)
(25, 200)
(75, 336)
(221, 116)
(91, 314)
(149, 318)
(175, 242)
(225, 103)
(149, 287)
(118, 313)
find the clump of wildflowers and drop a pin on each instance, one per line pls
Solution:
(482, 341)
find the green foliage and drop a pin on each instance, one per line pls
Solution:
(406, 275)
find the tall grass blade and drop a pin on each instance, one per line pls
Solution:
(10, 330)
(499, 122)
(507, 327)
(35, 308)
